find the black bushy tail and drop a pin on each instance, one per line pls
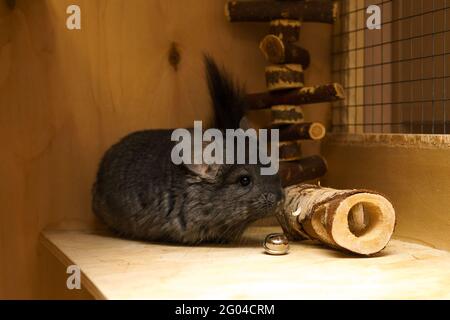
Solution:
(227, 97)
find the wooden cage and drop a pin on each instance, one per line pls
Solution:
(66, 94)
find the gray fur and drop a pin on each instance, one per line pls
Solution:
(141, 194)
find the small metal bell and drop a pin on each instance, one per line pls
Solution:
(276, 244)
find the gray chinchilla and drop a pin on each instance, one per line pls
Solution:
(140, 193)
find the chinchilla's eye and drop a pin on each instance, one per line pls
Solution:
(244, 180)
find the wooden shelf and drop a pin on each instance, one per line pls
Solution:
(114, 268)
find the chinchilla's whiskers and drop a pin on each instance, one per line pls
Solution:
(234, 233)
(238, 239)
(230, 233)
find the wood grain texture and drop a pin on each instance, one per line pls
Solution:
(122, 269)
(307, 168)
(259, 11)
(415, 171)
(53, 277)
(316, 39)
(330, 215)
(65, 96)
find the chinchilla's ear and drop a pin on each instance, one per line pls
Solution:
(204, 171)
(244, 124)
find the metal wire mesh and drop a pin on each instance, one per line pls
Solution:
(396, 77)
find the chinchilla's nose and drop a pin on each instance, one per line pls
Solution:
(273, 199)
(270, 198)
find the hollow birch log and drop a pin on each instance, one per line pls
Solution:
(308, 168)
(307, 95)
(308, 131)
(277, 51)
(324, 11)
(286, 114)
(285, 29)
(290, 150)
(359, 221)
(286, 76)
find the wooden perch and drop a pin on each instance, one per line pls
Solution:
(359, 221)
(286, 76)
(306, 95)
(311, 131)
(285, 29)
(258, 11)
(276, 50)
(290, 150)
(305, 169)
(286, 114)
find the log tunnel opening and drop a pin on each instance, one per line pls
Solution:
(363, 218)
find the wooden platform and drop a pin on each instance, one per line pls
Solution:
(115, 268)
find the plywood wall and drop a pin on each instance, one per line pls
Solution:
(66, 95)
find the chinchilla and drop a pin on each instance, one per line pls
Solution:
(141, 194)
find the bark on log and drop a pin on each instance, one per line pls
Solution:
(306, 95)
(286, 114)
(359, 221)
(258, 11)
(285, 29)
(309, 131)
(305, 169)
(286, 76)
(278, 51)
(290, 150)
